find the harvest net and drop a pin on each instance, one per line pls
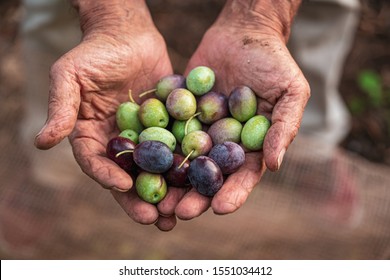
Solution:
(322, 204)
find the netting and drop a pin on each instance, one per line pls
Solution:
(324, 203)
(335, 208)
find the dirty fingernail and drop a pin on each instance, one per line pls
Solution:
(120, 190)
(40, 132)
(280, 157)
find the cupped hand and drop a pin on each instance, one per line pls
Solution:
(260, 60)
(87, 85)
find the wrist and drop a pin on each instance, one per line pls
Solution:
(271, 17)
(113, 18)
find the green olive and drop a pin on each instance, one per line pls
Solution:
(158, 134)
(200, 80)
(130, 134)
(127, 117)
(151, 187)
(178, 128)
(254, 131)
(152, 112)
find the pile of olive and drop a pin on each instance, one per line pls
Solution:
(187, 135)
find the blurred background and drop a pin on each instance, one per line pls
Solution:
(326, 202)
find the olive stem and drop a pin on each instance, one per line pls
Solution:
(123, 152)
(131, 96)
(147, 92)
(186, 158)
(188, 121)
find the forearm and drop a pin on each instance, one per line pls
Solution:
(102, 16)
(263, 15)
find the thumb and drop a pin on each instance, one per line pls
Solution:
(286, 119)
(64, 102)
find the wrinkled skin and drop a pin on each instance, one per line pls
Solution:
(262, 62)
(87, 85)
(89, 82)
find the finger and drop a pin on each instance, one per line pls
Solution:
(166, 223)
(192, 205)
(286, 119)
(167, 206)
(91, 156)
(138, 210)
(64, 102)
(239, 185)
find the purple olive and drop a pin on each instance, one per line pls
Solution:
(176, 176)
(205, 175)
(242, 103)
(212, 106)
(226, 129)
(229, 156)
(167, 84)
(125, 160)
(153, 156)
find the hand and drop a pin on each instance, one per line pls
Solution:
(87, 85)
(257, 57)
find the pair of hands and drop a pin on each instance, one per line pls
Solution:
(89, 82)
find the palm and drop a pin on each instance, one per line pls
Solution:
(87, 85)
(258, 61)
(106, 80)
(264, 64)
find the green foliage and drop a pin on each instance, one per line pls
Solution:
(370, 83)
(376, 94)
